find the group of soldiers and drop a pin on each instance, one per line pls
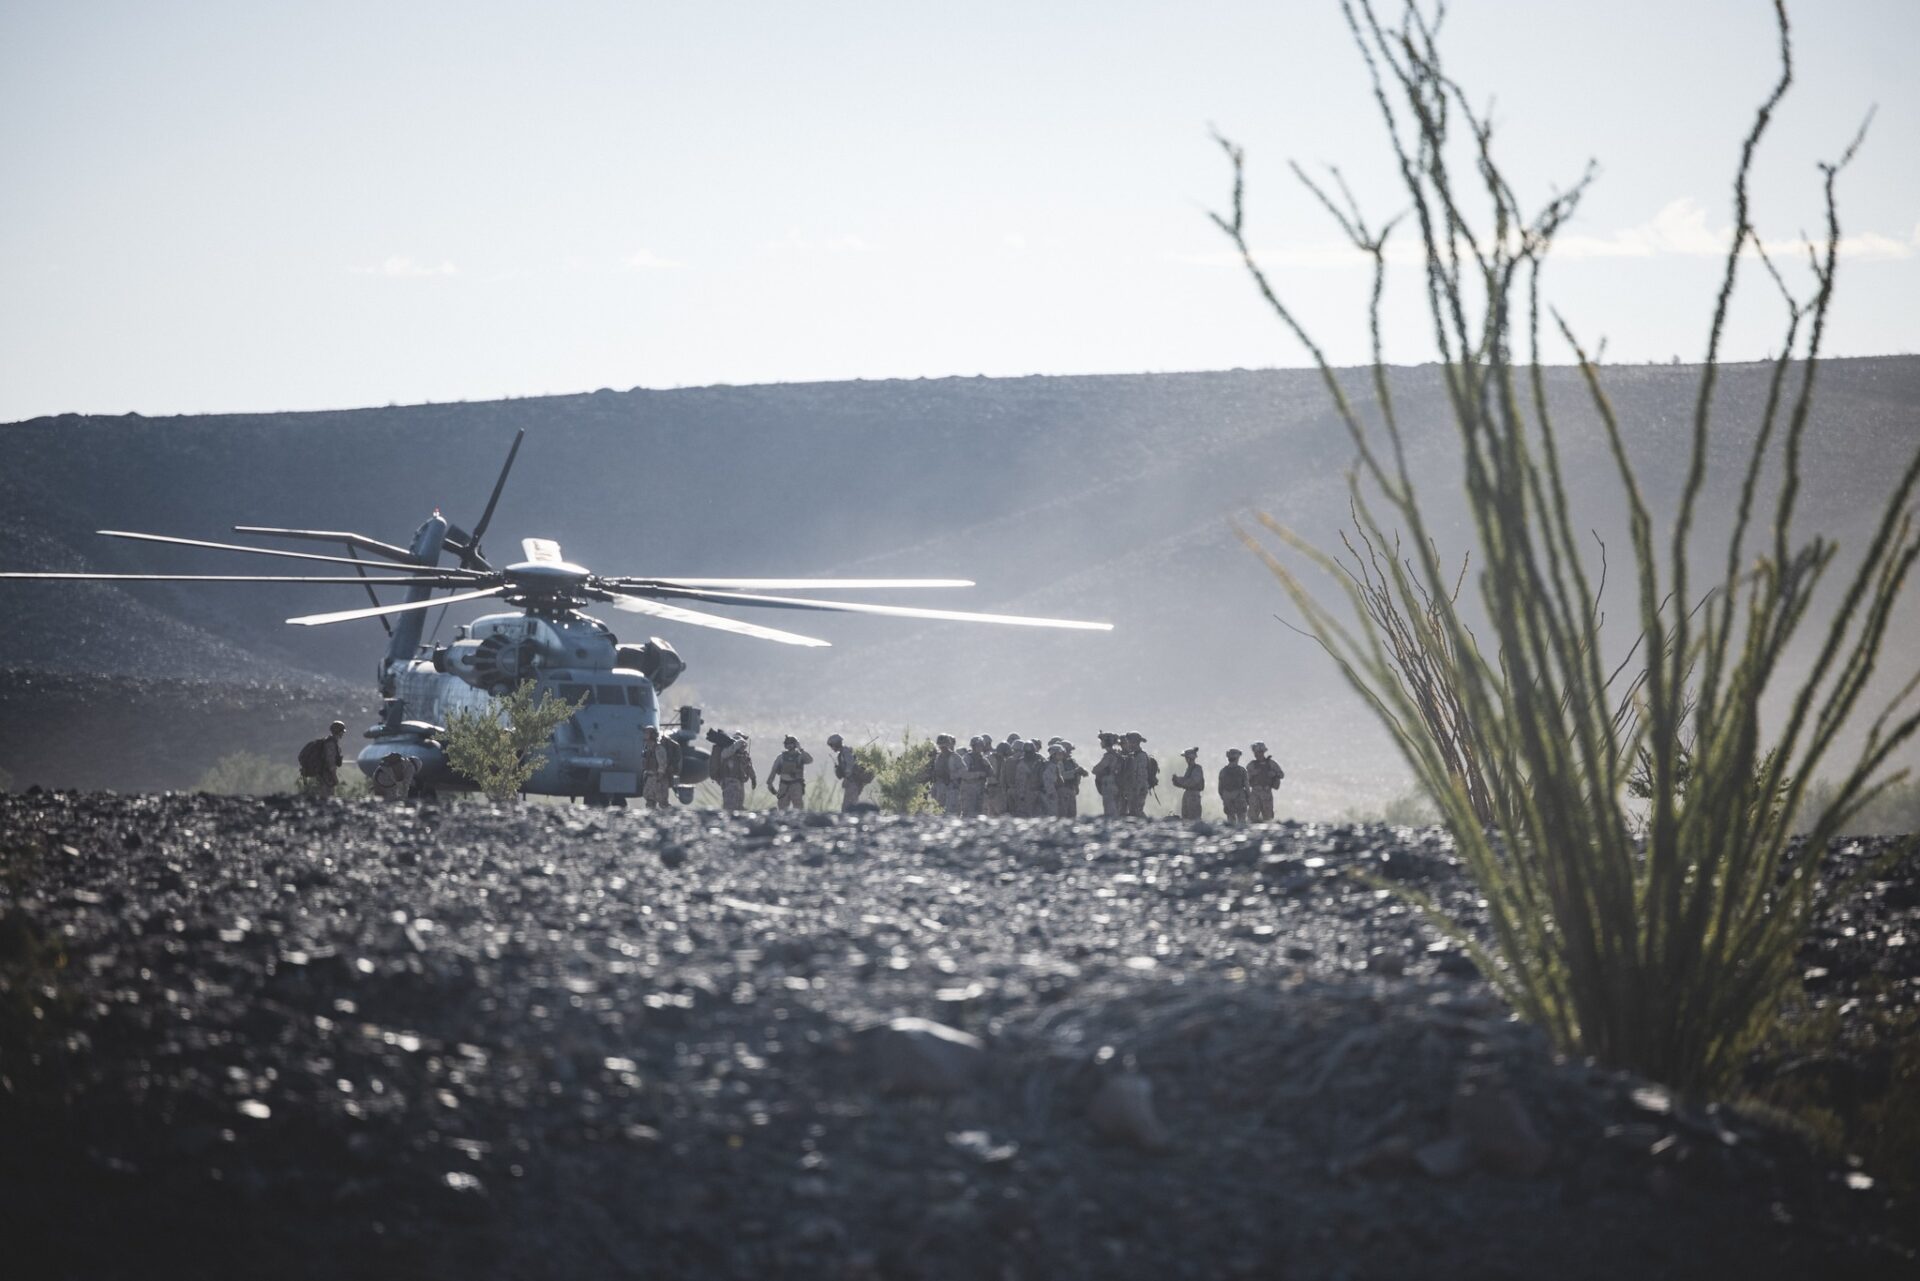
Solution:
(731, 766)
(1016, 776)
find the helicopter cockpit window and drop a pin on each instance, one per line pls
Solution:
(611, 695)
(576, 693)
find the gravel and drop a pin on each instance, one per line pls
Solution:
(320, 1039)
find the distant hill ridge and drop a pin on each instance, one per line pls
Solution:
(1100, 496)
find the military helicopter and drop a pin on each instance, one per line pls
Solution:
(596, 754)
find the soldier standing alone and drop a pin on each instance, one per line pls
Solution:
(320, 762)
(787, 779)
(1191, 781)
(1263, 775)
(1233, 787)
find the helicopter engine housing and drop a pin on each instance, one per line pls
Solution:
(656, 660)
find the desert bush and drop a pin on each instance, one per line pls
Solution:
(900, 776)
(1409, 809)
(502, 745)
(254, 774)
(1668, 953)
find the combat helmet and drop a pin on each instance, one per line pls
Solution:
(833, 740)
(1233, 753)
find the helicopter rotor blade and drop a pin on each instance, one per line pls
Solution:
(423, 580)
(257, 551)
(348, 615)
(857, 607)
(348, 537)
(372, 595)
(802, 584)
(470, 554)
(694, 618)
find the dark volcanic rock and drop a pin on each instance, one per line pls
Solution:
(300, 1039)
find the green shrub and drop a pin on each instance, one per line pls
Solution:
(900, 777)
(1670, 952)
(499, 747)
(254, 774)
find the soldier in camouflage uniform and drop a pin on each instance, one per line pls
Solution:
(1233, 787)
(656, 771)
(787, 778)
(1139, 773)
(1263, 775)
(853, 776)
(1106, 773)
(1008, 757)
(1033, 767)
(393, 779)
(1063, 780)
(733, 767)
(995, 796)
(943, 774)
(974, 766)
(1192, 781)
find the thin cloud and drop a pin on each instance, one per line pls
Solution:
(1680, 229)
(400, 266)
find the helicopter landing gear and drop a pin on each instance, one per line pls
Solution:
(600, 800)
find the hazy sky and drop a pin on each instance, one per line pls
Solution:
(248, 206)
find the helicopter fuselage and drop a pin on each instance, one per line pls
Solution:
(596, 753)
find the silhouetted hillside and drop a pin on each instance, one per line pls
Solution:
(1100, 497)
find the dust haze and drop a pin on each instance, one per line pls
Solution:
(1108, 498)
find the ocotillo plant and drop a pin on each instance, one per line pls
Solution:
(1666, 949)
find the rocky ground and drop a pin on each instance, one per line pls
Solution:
(297, 1039)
